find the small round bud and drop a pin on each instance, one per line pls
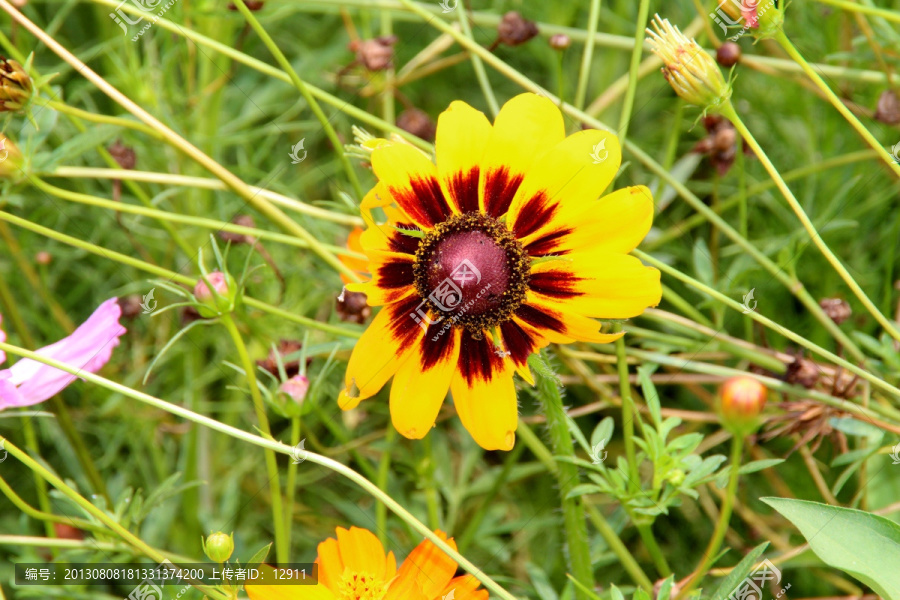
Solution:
(222, 300)
(741, 400)
(15, 86)
(560, 41)
(296, 387)
(218, 546)
(676, 477)
(837, 310)
(728, 54)
(888, 109)
(43, 258)
(375, 54)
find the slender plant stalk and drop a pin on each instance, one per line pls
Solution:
(282, 550)
(269, 444)
(634, 477)
(579, 552)
(792, 51)
(34, 513)
(384, 470)
(587, 56)
(291, 484)
(731, 114)
(170, 275)
(111, 524)
(236, 184)
(884, 13)
(282, 60)
(715, 543)
(431, 493)
(633, 71)
(61, 107)
(477, 65)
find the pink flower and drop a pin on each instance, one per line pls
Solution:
(89, 348)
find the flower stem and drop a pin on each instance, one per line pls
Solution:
(477, 65)
(290, 484)
(634, 69)
(737, 449)
(269, 444)
(579, 555)
(730, 113)
(587, 57)
(634, 478)
(282, 551)
(285, 64)
(94, 511)
(792, 51)
(384, 470)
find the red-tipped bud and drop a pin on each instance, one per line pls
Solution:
(741, 401)
(220, 299)
(296, 387)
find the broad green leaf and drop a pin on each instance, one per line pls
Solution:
(861, 544)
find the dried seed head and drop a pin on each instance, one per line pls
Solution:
(560, 41)
(514, 29)
(741, 400)
(837, 310)
(802, 371)
(728, 54)
(15, 86)
(888, 110)
(123, 155)
(376, 54)
(691, 72)
(352, 307)
(418, 123)
(131, 306)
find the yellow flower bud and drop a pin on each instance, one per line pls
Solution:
(741, 400)
(15, 86)
(10, 159)
(691, 72)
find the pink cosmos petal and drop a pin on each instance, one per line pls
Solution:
(88, 348)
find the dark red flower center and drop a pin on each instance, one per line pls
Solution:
(471, 270)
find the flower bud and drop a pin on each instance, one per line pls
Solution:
(514, 29)
(728, 54)
(764, 17)
(741, 400)
(218, 546)
(691, 72)
(15, 86)
(10, 159)
(296, 387)
(837, 310)
(222, 297)
(560, 41)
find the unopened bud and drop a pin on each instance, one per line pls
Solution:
(741, 400)
(728, 54)
(376, 54)
(691, 72)
(296, 387)
(560, 41)
(10, 159)
(218, 546)
(221, 300)
(43, 258)
(15, 86)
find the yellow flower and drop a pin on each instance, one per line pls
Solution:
(692, 73)
(355, 567)
(496, 251)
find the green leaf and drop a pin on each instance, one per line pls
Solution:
(651, 396)
(541, 583)
(703, 267)
(861, 544)
(603, 432)
(739, 572)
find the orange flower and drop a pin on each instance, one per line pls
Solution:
(355, 567)
(359, 265)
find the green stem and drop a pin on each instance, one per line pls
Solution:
(511, 460)
(636, 52)
(477, 65)
(634, 478)
(34, 513)
(769, 323)
(792, 51)
(384, 470)
(886, 14)
(431, 494)
(285, 64)
(587, 56)
(98, 118)
(282, 551)
(279, 447)
(653, 549)
(291, 484)
(618, 548)
(730, 113)
(579, 555)
(170, 275)
(737, 449)
(111, 524)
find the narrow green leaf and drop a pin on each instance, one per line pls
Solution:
(739, 572)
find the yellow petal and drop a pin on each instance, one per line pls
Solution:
(525, 129)
(563, 183)
(617, 222)
(379, 351)
(559, 325)
(597, 284)
(411, 180)
(484, 394)
(422, 382)
(462, 135)
(392, 278)
(361, 552)
(288, 592)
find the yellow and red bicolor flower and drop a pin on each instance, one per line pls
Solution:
(355, 567)
(495, 251)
